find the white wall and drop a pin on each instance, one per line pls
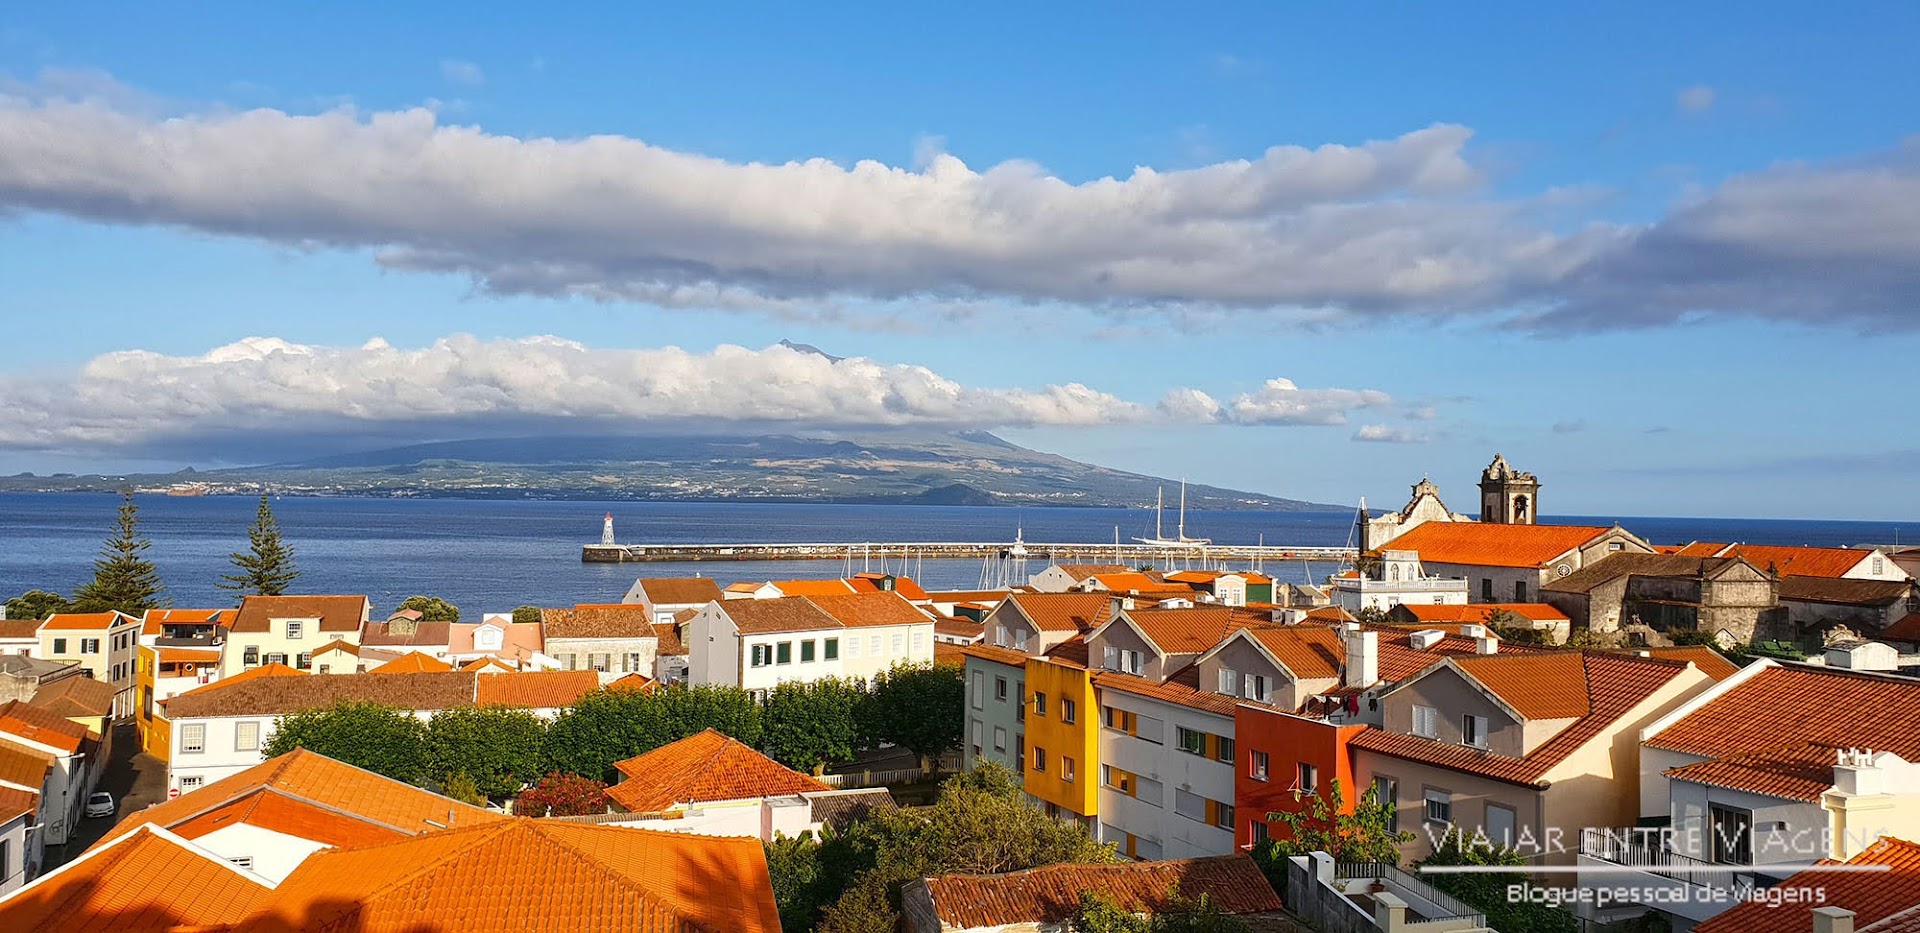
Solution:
(916, 647)
(770, 675)
(713, 648)
(275, 855)
(1180, 837)
(23, 852)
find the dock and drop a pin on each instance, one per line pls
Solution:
(1109, 553)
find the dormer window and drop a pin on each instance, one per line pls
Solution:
(487, 638)
(1000, 635)
(1473, 731)
(294, 627)
(1229, 682)
(1256, 688)
(1124, 660)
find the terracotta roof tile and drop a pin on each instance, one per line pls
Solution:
(75, 697)
(1064, 612)
(24, 766)
(782, 614)
(1871, 896)
(1793, 703)
(814, 587)
(1051, 895)
(1493, 545)
(272, 696)
(535, 689)
(959, 628)
(424, 634)
(523, 874)
(946, 652)
(1906, 629)
(1187, 631)
(316, 779)
(1615, 566)
(668, 634)
(1800, 561)
(1137, 582)
(188, 655)
(1311, 652)
(614, 620)
(1615, 685)
(1478, 613)
(703, 767)
(413, 662)
(1080, 572)
(1712, 662)
(678, 590)
(638, 682)
(1701, 549)
(1799, 772)
(861, 610)
(145, 882)
(990, 597)
(26, 722)
(336, 613)
(19, 628)
(272, 810)
(85, 621)
(488, 664)
(996, 654)
(1072, 652)
(1399, 659)
(1329, 614)
(1543, 686)
(1182, 689)
(15, 802)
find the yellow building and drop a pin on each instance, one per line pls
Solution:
(289, 629)
(1063, 767)
(101, 643)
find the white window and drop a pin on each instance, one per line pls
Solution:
(975, 729)
(999, 738)
(293, 629)
(919, 641)
(853, 646)
(193, 737)
(1307, 781)
(1256, 688)
(1020, 640)
(1257, 765)
(899, 643)
(1000, 635)
(979, 689)
(1066, 769)
(1149, 791)
(89, 646)
(1498, 825)
(1113, 657)
(487, 639)
(873, 645)
(762, 656)
(1150, 729)
(246, 737)
(189, 782)
(1426, 721)
(1473, 731)
(1190, 805)
(1879, 565)
(1439, 806)
(1229, 682)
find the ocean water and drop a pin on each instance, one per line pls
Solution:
(493, 555)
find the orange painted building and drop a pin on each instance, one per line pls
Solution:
(1063, 752)
(1277, 753)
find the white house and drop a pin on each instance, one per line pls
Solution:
(20, 851)
(666, 596)
(60, 753)
(1395, 579)
(757, 643)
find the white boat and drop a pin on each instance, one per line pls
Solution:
(1180, 538)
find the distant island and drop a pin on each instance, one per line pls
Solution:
(920, 468)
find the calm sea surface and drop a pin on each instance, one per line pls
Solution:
(490, 556)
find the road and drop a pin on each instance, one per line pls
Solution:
(135, 779)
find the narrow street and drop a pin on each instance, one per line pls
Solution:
(135, 779)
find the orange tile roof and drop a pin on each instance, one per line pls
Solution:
(321, 781)
(1493, 545)
(1072, 652)
(255, 673)
(413, 662)
(269, 809)
(1872, 896)
(863, 610)
(19, 628)
(1232, 883)
(996, 654)
(1906, 629)
(678, 590)
(187, 655)
(1479, 612)
(1615, 685)
(1712, 662)
(15, 803)
(1701, 549)
(1791, 703)
(946, 652)
(74, 697)
(781, 614)
(668, 634)
(1801, 561)
(535, 689)
(1540, 686)
(143, 882)
(84, 621)
(1137, 582)
(703, 767)
(272, 696)
(1798, 772)
(1399, 659)
(1329, 614)
(1064, 612)
(813, 587)
(25, 766)
(609, 620)
(26, 722)
(524, 874)
(488, 664)
(1082, 571)
(638, 682)
(344, 647)
(336, 613)
(959, 628)
(1311, 652)
(1183, 689)
(151, 623)
(1188, 631)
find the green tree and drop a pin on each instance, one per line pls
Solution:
(267, 567)
(811, 723)
(123, 578)
(979, 824)
(1513, 627)
(1488, 892)
(560, 794)
(432, 608)
(460, 787)
(1364, 835)
(526, 615)
(496, 748)
(610, 725)
(1100, 913)
(379, 738)
(921, 708)
(36, 604)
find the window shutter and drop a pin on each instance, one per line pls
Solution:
(1113, 658)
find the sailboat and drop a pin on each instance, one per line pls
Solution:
(1180, 538)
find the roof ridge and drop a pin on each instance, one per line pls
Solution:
(645, 895)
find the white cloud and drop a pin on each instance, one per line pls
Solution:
(1393, 226)
(462, 73)
(462, 385)
(1279, 401)
(1388, 434)
(1698, 98)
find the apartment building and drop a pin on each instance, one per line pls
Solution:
(1395, 578)
(104, 644)
(757, 643)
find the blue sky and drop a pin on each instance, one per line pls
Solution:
(1719, 323)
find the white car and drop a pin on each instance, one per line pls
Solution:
(100, 804)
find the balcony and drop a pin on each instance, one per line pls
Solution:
(1639, 860)
(1363, 897)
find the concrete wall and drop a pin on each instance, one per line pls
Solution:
(1453, 697)
(1175, 770)
(985, 706)
(276, 641)
(275, 855)
(1120, 635)
(896, 644)
(619, 656)
(714, 650)
(1802, 839)
(23, 853)
(1469, 795)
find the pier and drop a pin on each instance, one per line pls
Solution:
(1130, 554)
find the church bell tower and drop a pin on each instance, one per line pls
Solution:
(1508, 496)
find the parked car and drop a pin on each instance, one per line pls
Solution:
(100, 804)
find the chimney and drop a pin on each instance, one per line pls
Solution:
(1832, 920)
(1486, 645)
(1474, 631)
(1425, 638)
(1363, 659)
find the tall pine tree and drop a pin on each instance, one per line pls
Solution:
(123, 578)
(268, 569)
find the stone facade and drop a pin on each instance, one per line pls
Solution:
(1425, 506)
(1508, 496)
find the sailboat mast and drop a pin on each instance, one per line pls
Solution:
(1183, 510)
(1159, 501)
